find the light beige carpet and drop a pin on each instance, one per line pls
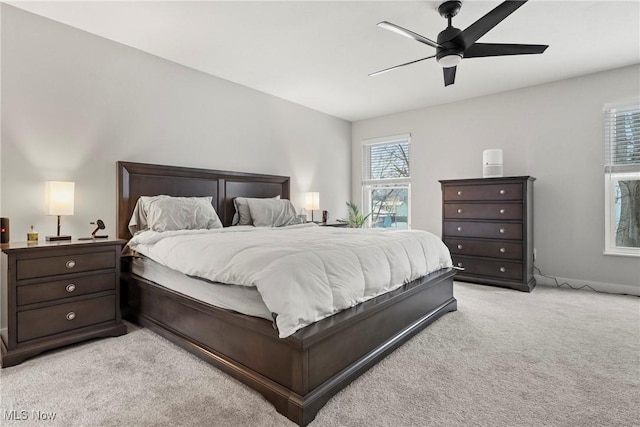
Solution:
(555, 357)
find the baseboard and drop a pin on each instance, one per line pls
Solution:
(611, 288)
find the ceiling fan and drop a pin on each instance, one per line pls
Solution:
(454, 44)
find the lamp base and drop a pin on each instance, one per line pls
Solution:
(93, 237)
(57, 238)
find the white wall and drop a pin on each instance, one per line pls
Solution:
(73, 104)
(553, 132)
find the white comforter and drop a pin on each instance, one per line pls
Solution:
(303, 273)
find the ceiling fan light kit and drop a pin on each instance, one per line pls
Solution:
(449, 61)
(454, 44)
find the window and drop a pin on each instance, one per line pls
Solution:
(386, 181)
(622, 179)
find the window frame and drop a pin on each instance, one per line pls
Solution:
(610, 214)
(368, 185)
(614, 172)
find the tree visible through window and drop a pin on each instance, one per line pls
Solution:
(622, 176)
(627, 206)
(386, 182)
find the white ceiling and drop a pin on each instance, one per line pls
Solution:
(318, 53)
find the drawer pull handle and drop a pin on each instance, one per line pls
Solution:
(459, 210)
(460, 264)
(70, 287)
(460, 193)
(503, 270)
(503, 192)
(502, 250)
(502, 211)
(459, 246)
(71, 315)
(459, 228)
(70, 264)
(502, 231)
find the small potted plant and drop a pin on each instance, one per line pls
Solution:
(355, 218)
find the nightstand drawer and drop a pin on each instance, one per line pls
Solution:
(505, 270)
(483, 192)
(494, 230)
(508, 211)
(49, 266)
(491, 249)
(65, 317)
(49, 291)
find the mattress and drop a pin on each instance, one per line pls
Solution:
(241, 299)
(303, 273)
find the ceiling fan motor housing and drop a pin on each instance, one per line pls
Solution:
(449, 46)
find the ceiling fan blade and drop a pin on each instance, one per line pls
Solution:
(401, 65)
(479, 50)
(472, 33)
(407, 33)
(449, 76)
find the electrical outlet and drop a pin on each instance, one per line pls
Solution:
(535, 254)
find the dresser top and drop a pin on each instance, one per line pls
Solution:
(487, 180)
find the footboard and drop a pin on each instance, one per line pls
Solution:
(298, 374)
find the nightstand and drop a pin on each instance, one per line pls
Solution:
(58, 293)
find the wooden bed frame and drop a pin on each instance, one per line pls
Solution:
(298, 374)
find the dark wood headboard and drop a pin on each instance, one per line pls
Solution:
(141, 179)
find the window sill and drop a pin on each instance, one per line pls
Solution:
(633, 253)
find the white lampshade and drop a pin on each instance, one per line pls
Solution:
(312, 201)
(59, 197)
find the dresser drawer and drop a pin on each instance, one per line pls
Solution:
(510, 211)
(49, 291)
(49, 266)
(65, 317)
(491, 249)
(494, 230)
(482, 267)
(483, 192)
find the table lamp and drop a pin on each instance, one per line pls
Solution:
(59, 197)
(312, 202)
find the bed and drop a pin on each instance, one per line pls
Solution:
(297, 374)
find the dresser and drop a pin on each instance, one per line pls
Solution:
(487, 224)
(58, 293)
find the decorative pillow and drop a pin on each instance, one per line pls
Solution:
(242, 215)
(165, 213)
(272, 213)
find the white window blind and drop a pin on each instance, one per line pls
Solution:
(386, 162)
(622, 138)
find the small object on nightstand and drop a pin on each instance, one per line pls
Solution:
(99, 226)
(4, 230)
(32, 236)
(325, 216)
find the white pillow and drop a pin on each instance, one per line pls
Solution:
(165, 213)
(272, 213)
